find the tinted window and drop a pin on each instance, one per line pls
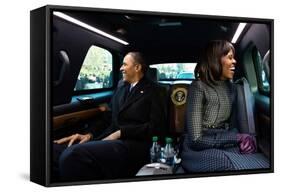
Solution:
(262, 78)
(174, 71)
(96, 71)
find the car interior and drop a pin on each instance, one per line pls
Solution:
(79, 98)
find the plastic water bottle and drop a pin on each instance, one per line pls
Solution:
(168, 153)
(155, 150)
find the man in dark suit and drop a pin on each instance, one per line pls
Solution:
(138, 113)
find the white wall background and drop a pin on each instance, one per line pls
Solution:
(14, 96)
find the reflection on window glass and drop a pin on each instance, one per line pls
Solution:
(96, 71)
(263, 82)
(173, 71)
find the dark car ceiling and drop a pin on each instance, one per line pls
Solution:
(160, 38)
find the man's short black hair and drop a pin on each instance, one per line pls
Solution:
(139, 59)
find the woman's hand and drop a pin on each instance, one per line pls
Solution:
(76, 137)
(247, 143)
(113, 136)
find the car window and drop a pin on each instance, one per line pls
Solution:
(96, 71)
(263, 83)
(175, 71)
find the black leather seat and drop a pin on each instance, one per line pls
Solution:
(153, 75)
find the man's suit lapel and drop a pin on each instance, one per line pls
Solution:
(122, 94)
(136, 93)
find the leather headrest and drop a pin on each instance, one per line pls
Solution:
(152, 74)
(64, 59)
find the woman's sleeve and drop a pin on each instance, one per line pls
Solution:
(197, 138)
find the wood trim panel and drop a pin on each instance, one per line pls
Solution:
(71, 118)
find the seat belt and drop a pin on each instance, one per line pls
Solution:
(249, 104)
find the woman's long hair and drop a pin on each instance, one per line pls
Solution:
(209, 69)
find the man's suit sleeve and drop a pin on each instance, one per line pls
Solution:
(196, 137)
(106, 127)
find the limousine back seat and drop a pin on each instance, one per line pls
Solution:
(175, 97)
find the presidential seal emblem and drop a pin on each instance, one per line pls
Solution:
(179, 95)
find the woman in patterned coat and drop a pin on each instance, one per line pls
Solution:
(211, 143)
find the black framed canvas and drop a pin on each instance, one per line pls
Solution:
(189, 114)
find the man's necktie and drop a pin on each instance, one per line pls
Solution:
(130, 89)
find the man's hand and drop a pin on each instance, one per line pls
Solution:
(76, 137)
(113, 136)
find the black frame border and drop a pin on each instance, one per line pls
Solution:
(41, 91)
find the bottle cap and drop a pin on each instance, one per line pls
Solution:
(154, 139)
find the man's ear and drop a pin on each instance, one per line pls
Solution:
(138, 67)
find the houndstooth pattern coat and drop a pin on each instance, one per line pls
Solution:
(210, 142)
